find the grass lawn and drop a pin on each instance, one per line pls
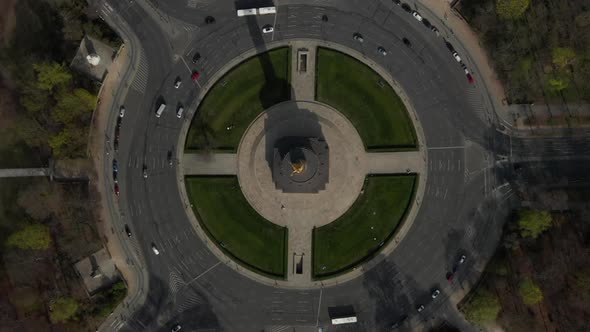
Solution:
(237, 98)
(365, 99)
(359, 233)
(235, 226)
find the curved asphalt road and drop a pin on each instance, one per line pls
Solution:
(462, 210)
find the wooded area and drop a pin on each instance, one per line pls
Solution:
(540, 49)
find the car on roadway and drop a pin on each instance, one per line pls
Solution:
(407, 42)
(115, 166)
(450, 277)
(196, 57)
(209, 20)
(122, 112)
(116, 145)
(420, 307)
(155, 249)
(397, 2)
(267, 29)
(462, 259)
(145, 175)
(435, 30)
(456, 56)
(435, 293)
(407, 8)
(469, 77)
(117, 192)
(417, 16)
(169, 157)
(381, 50)
(177, 83)
(179, 112)
(195, 76)
(176, 328)
(325, 18)
(399, 322)
(127, 231)
(358, 37)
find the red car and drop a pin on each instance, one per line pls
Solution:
(195, 76)
(450, 277)
(117, 189)
(469, 78)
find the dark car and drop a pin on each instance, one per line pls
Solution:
(127, 231)
(407, 42)
(169, 157)
(435, 30)
(119, 121)
(117, 192)
(117, 132)
(209, 20)
(407, 7)
(116, 145)
(420, 307)
(196, 57)
(397, 2)
(115, 166)
(426, 23)
(325, 18)
(399, 322)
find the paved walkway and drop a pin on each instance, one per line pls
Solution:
(394, 162)
(210, 164)
(303, 70)
(23, 172)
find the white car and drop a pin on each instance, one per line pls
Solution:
(177, 83)
(382, 51)
(155, 249)
(176, 328)
(462, 259)
(457, 57)
(417, 16)
(179, 112)
(435, 293)
(358, 37)
(122, 112)
(267, 29)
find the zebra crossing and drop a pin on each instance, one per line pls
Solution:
(141, 75)
(189, 27)
(476, 102)
(277, 328)
(192, 3)
(106, 9)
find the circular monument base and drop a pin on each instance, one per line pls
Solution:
(345, 169)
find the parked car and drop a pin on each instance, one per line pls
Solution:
(155, 249)
(435, 293)
(177, 83)
(325, 18)
(462, 259)
(169, 157)
(176, 328)
(195, 76)
(267, 29)
(435, 30)
(417, 16)
(450, 277)
(179, 112)
(426, 23)
(196, 57)
(407, 7)
(358, 37)
(397, 2)
(420, 307)
(382, 51)
(469, 77)
(456, 56)
(117, 192)
(122, 112)
(127, 231)
(209, 20)
(145, 175)
(115, 166)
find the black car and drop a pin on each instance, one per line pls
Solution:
(407, 42)
(127, 231)
(399, 322)
(426, 23)
(397, 2)
(325, 18)
(407, 7)
(196, 57)
(209, 20)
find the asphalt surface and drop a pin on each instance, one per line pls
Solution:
(462, 212)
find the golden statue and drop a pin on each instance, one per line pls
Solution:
(298, 167)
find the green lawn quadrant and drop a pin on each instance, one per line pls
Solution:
(369, 223)
(366, 99)
(237, 229)
(238, 98)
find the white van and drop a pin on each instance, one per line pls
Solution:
(160, 110)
